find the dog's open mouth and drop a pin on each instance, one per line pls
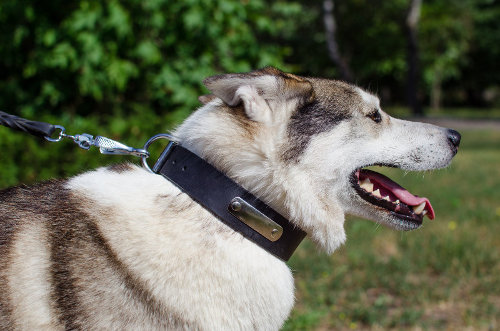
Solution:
(381, 191)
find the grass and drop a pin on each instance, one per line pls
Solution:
(444, 276)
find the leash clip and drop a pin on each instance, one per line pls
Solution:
(110, 146)
(84, 140)
(105, 145)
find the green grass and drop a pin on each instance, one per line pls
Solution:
(445, 275)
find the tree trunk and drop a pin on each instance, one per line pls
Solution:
(333, 49)
(436, 90)
(413, 57)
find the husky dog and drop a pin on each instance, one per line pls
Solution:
(120, 248)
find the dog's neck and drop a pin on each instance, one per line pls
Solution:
(247, 153)
(235, 152)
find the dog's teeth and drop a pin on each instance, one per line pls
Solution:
(419, 209)
(387, 198)
(377, 193)
(366, 185)
(366, 181)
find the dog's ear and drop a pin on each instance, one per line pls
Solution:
(256, 89)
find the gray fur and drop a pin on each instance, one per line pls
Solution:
(308, 121)
(121, 167)
(334, 102)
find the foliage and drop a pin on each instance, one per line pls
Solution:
(458, 47)
(445, 37)
(92, 56)
(127, 69)
(481, 76)
(370, 37)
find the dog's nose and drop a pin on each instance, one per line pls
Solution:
(454, 138)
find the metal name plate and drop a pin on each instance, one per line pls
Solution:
(255, 219)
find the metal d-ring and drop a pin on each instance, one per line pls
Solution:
(166, 136)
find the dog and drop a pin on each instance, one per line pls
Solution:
(120, 248)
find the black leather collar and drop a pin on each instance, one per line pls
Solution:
(215, 192)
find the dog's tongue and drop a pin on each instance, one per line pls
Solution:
(402, 194)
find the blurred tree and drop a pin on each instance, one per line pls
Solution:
(481, 77)
(459, 47)
(446, 32)
(372, 40)
(413, 56)
(331, 41)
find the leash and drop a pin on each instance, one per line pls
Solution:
(84, 140)
(39, 129)
(217, 193)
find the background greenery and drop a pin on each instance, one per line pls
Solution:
(132, 68)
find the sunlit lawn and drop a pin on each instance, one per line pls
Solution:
(445, 275)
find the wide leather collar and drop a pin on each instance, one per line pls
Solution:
(228, 201)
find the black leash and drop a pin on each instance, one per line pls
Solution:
(84, 140)
(224, 198)
(39, 129)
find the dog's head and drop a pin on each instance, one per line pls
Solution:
(301, 145)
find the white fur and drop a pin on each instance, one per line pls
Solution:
(368, 98)
(32, 257)
(219, 282)
(255, 105)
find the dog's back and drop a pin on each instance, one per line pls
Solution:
(25, 252)
(58, 271)
(123, 249)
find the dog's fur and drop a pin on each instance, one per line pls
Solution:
(119, 248)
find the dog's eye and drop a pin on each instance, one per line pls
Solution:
(375, 116)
